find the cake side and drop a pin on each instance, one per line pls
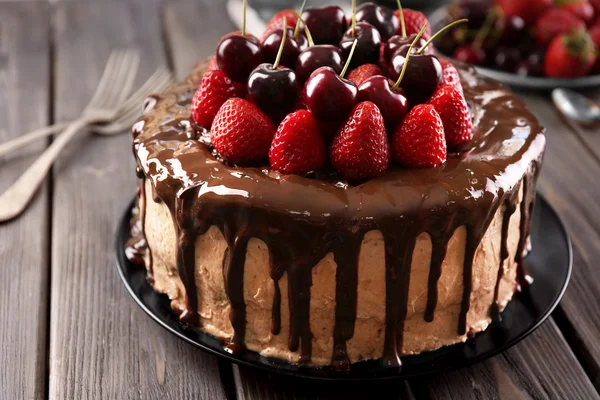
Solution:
(368, 339)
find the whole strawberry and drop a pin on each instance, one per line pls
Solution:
(528, 10)
(596, 6)
(595, 36)
(450, 75)
(276, 22)
(555, 22)
(363, 72)
(212, 65)
(582, 9)
(570, 55)
(414, 21)
(297, 147)
(214, 90)
(361, 149)
(242, 133)
(419, 141)
(452, 108)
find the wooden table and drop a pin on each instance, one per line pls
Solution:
(68, 329)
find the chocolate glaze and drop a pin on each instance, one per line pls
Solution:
(302, 220)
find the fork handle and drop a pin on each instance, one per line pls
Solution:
(21, 141)
(16, 197)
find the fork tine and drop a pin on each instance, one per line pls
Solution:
(123, 82)
(131, 112)
(158, 86)
(109, 69)
(115, 83)
(112, 84)
(133, 66)
(156, 79)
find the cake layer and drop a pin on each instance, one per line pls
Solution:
(368, 339)
(303, 256)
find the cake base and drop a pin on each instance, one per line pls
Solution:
(549, 263)
(420, 332)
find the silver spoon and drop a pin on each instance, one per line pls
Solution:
(576, 106)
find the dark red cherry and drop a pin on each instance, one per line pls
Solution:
(396, 41)
(423, 74)
(291, 48)
(367, 47)
(273, 90)
(506, 58)
(392, 103)
(238, 55)
(382, 18)
(323, 55)
(329, 97)
(326, 24)
(469, 54)
(528, 68)
(514, 27)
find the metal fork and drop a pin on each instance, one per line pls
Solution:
(115, 85)
(129, 111)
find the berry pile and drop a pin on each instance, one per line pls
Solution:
(553, 38)
(322, 91)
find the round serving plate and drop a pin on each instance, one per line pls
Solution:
(549, 264)
(518, 81)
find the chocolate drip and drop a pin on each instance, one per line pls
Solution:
(527, 204)
(186, 255)
(510, 205)
(439, 246)
(301, 220)
(233, 276)
(345, 293)
(137, 245)
(276, 310)
(398, 258)
(475, 231)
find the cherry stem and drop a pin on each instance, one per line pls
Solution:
(397, 84)
(280, 51)
(349, 59)
(297, 28)
(402, 23)
(244, 21)
(485, 30)
(441, 31)
(353, 19)
(311, 43)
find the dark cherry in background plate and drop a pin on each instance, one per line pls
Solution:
(549, 263)
(436, 20)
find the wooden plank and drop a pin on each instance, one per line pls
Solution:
(101, 344)
(540, 367)
(24, 106)
(569, 181)
(189, 39)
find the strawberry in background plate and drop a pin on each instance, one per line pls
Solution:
(529, 10)
(555, 22)
(596, 6)
(582, 9)
(570, 55)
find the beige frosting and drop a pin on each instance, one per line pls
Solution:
(369, 332)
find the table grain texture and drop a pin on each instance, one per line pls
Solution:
(68, 329)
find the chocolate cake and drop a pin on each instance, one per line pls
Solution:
(316, 269)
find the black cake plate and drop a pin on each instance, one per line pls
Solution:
(549, 264)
